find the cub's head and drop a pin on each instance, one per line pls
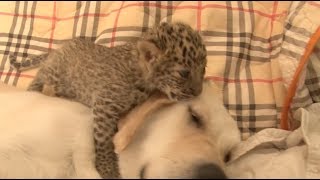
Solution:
(174, 58)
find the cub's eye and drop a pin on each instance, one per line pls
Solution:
(184, 73)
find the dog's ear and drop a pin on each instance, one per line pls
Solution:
(129, 125)
(148, 51)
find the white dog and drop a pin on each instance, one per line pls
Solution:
(44, 137)
(47, 137)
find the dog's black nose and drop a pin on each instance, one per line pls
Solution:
(209, 171)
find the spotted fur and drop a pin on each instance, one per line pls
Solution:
(170, 57)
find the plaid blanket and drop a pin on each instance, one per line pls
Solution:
(255, 48)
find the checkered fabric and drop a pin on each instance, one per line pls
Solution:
(244, 42)
(312, 80)
(301, 27)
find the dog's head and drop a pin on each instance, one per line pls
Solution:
(183, 140)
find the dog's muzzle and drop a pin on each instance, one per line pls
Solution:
(209, 171)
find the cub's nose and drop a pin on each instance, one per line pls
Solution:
(196, 90)
(209, 171)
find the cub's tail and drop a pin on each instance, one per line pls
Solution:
(33, 61)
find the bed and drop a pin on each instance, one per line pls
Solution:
(265, 56)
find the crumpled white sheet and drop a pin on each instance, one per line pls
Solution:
(276, 153)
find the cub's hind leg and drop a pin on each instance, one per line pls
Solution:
(52, 81)
(36, 84)
(46, 80)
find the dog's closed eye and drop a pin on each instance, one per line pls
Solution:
(227, 157)
(195, 118)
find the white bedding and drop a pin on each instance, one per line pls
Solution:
(275, 153)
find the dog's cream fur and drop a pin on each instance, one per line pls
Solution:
(170, 145)
(46, 137)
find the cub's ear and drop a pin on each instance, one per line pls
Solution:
(148, 51)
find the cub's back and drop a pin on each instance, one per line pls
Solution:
(88, 68)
